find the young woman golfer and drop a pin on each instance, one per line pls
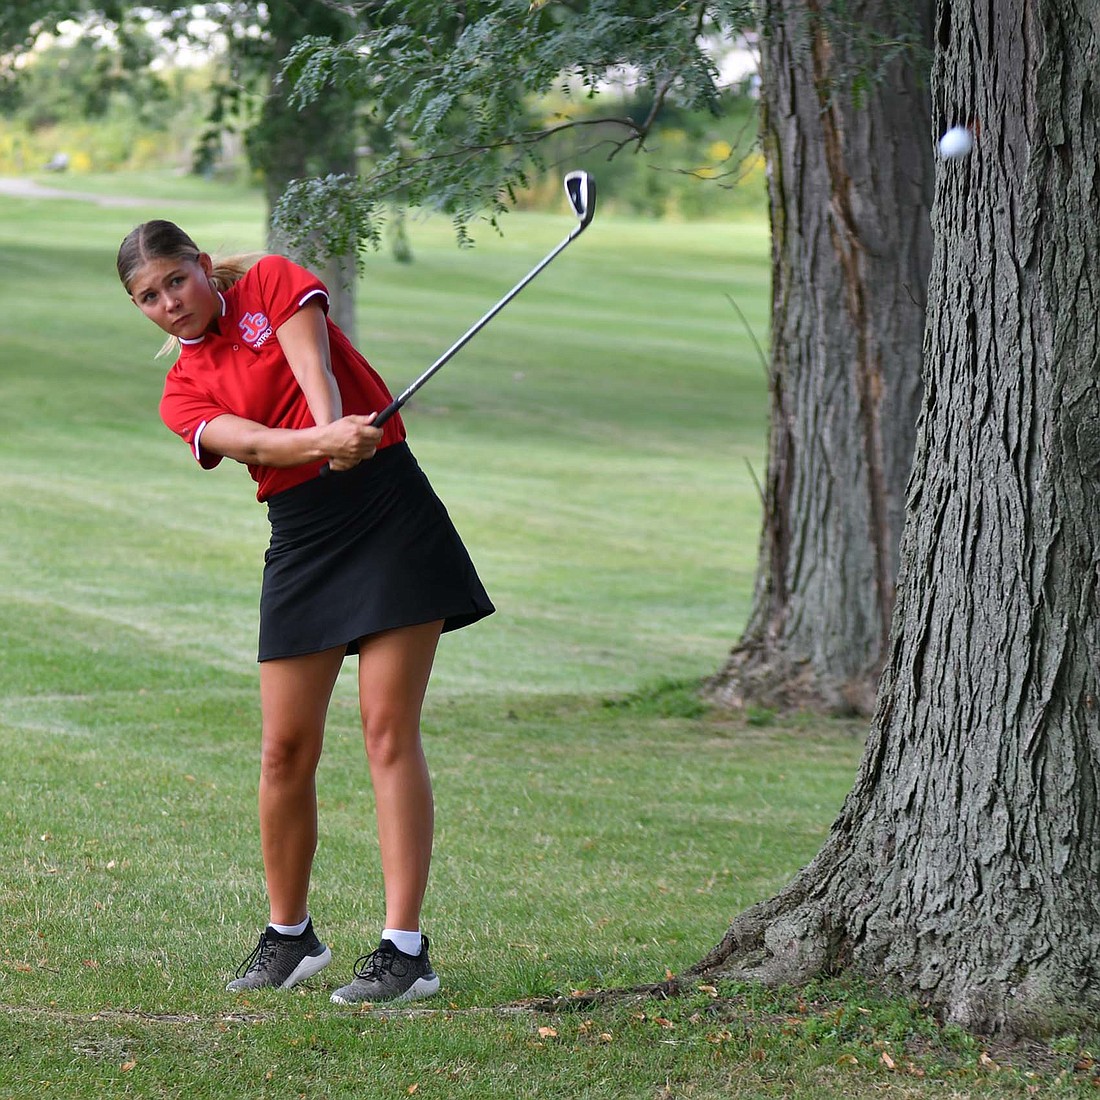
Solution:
(364, 561)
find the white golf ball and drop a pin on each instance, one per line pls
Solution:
(957, 142)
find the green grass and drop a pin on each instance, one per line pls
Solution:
(598, 827)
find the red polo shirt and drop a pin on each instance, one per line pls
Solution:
(241, 369)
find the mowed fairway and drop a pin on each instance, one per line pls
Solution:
(594, 447)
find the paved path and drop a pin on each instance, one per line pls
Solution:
(28, 189)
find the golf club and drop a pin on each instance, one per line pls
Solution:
(581, 189)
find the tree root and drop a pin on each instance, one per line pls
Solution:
(591, 998)
(759, 674)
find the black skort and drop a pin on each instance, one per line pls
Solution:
(358, 552)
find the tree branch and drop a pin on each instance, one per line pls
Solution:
(666, 85)
(516, 141)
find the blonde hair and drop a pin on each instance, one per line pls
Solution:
(164, 240)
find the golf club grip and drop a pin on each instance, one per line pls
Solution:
(377, 422)
(387, 412)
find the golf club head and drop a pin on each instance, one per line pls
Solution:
(581, 189)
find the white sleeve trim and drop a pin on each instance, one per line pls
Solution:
(312, 294)
(195, 441)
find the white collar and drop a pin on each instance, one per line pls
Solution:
(199, 339)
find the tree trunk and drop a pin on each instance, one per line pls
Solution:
(289, 144)
(850, 187)
(338, 273)
(963, 867)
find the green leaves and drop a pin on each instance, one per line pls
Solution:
(453, 92)
(329, 216)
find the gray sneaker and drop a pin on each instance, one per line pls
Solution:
(387, 974)
(279, 961)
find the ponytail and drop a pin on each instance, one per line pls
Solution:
(228, 269)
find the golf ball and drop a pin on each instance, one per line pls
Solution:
(957, 142)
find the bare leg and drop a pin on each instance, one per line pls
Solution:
(295, 693)
(394, 668)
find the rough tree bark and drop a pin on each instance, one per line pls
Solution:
(964, 865)
(850, 187)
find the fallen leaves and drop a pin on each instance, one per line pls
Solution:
(890, 1062)
(587, 1030)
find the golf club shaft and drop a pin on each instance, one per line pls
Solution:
(581, 189)
(472, 331)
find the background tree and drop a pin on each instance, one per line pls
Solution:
(963, 866)
(22, 21)
(284, 142)
(80, 78)
(84, 81)
(850, 185)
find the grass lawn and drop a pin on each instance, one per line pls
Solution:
(596, 827)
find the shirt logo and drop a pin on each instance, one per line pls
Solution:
(255, 328)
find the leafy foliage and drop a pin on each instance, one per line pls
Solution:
(452, 86)
(22, 22)
(85, 81)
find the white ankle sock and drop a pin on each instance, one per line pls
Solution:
(291, 929)
(407, 942)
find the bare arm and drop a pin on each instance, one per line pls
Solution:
(344, 442)
(304, 340)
